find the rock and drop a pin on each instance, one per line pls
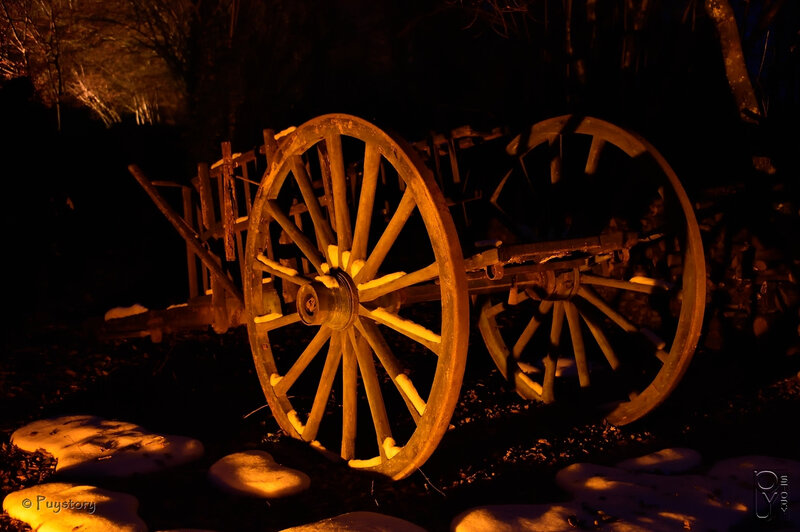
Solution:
(738, 478)
(360, 522)
(66, 507)
(255, 473)
(89, 445)
(518, 517)
(674, 460)
(644, 501)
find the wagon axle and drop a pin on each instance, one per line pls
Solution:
(331, 300)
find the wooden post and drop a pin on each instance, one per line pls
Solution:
(189, 235)
(203, 185)
(228, 202)
(188, 215)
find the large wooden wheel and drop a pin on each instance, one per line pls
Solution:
(624, 320)
(328, 250)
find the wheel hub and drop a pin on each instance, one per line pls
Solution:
(554, 285)
(330, 300)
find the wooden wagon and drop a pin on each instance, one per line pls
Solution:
(579, 250)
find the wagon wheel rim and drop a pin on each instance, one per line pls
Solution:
(341, 297)
(582, 318)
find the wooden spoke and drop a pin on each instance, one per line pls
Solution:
(369, 291)
(340, 245)
(372, 163)
(321, 227)
(602, 341)
(380, 420)
(618, 283)
(388, 238)
(285, 382)
(325, 170)
(324, 388)
(306, 247)
(555, 159)
(591, 296)
(404, 326)
(574, 322)
(653, 338)
(339, 189)
(271, 322)
(594, 155)
(530, 328)
(414, 402)
(573, 147)
(551, 360)
(276, 269)
(349, 400)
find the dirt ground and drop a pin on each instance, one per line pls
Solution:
(500, 449)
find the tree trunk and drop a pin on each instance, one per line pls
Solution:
(721, 14)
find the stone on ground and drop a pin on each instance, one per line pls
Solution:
(674, 460)
(257, 474)
(645, 501)
(57, 507)
(737, 478)
(359, 522)
(515, 517)
(89, 445)
(630, 498)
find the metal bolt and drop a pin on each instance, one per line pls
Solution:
(311, 305)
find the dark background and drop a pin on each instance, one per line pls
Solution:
(83, 237)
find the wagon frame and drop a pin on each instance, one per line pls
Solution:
(314, 258)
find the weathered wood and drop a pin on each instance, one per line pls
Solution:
(229, 206)
(203, 186)
(189, 235)
(191, 266)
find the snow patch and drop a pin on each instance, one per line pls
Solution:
(405, 325)
(294, 419)
(328, 281)
(370, 462)
(277, 266)
(381, 281)
(390, 448)
(333, 255)
(222, 161)
(124, 312)
(410, 390)
(285, 132)
(356, 267)
(267, 317)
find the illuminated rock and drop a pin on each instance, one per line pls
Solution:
(359, 522)
(65, 507)
(514, 517)
(747, 479)
(89, 445)
(257, 474)
(673, 460)
(627, 498)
